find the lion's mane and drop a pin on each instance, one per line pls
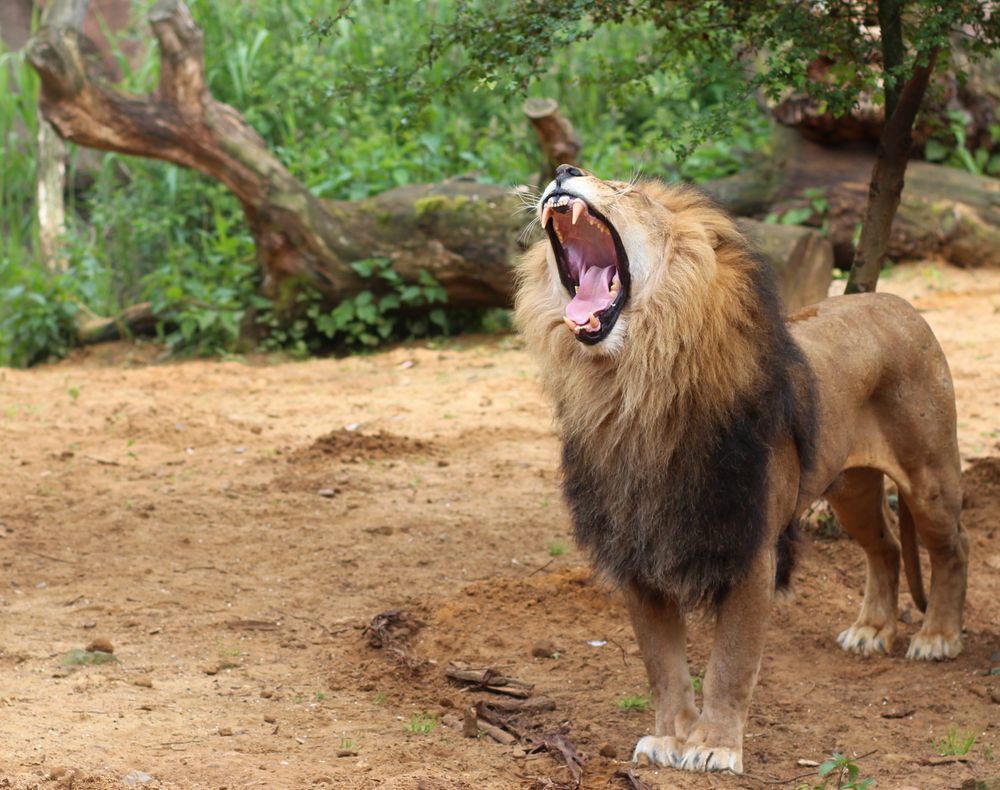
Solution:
(666, 440)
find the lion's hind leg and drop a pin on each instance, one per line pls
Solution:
(661, 634)
(934, 500)
(858, 498)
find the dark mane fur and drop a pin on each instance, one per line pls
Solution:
(694, 522)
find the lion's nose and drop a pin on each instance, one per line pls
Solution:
(564, 172)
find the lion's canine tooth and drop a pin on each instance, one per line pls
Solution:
(571, 324)
(593, 323)
(546, 213)
(578, 208)
(615, 284)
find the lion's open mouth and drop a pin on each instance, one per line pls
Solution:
(592, 265)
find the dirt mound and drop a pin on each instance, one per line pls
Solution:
(354, 447)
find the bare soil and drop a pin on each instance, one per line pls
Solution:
(231, 528)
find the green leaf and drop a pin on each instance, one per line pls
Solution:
(829, 765)
(796, 216)
(388, 302)
(439, 317)
(935, 151)
(364, 268)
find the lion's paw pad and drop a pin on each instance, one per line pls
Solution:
(865, 640)
(933, 647)
(658, 750)
(712, 758)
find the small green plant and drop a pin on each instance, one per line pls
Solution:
(842, 770)
(556, 548)
(423, 723)
(950, 147)
(74, 392)
(320, 696)
(379, 698)
(633, 703)
(696, 682)
(956, 743)
(86, 658)
(346, 743)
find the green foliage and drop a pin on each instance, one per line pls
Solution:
(86, 658)
(422, 723)
(843, 771)
(389, 308)
(955, 742)
(950, 147)
(629, 704)
(556, 548)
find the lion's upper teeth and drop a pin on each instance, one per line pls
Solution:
(546, 214)
(578, 208)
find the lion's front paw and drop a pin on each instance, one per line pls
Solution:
(658, 750)
(866, 640)
(934, 647)
(712, 758)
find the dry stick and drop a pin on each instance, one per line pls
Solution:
(542, 567)
(48, 556)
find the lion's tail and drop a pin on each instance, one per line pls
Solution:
(911, 556)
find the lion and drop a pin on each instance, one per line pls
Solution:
(697, 426)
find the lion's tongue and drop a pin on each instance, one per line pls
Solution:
(593, 295)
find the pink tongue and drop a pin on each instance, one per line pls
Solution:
(593, 295)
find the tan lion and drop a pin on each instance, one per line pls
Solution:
(697, 426)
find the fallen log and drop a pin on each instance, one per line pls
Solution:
(944, 212)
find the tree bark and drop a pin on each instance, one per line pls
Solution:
(50, 195)
(560, 144)
(886, 186)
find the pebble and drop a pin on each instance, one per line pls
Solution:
(211, 669)
(270, 719)
(543, 650)
(226, 731)
(145, 682)
(58, 771)
(133, 778)
(100, 644)
(995, 696)
(346, 753)
(328, 493)
(607, 750)
(90, 624)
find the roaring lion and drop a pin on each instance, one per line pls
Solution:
(697, 425)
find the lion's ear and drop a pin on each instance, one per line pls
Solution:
(713, 239)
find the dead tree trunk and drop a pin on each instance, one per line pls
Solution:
(296, 233)
(560, 144)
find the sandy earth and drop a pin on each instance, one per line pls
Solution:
(231, 527)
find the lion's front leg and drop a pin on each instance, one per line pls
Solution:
(660, 632)
(715, 742)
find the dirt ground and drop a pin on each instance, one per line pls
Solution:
(230, 528)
